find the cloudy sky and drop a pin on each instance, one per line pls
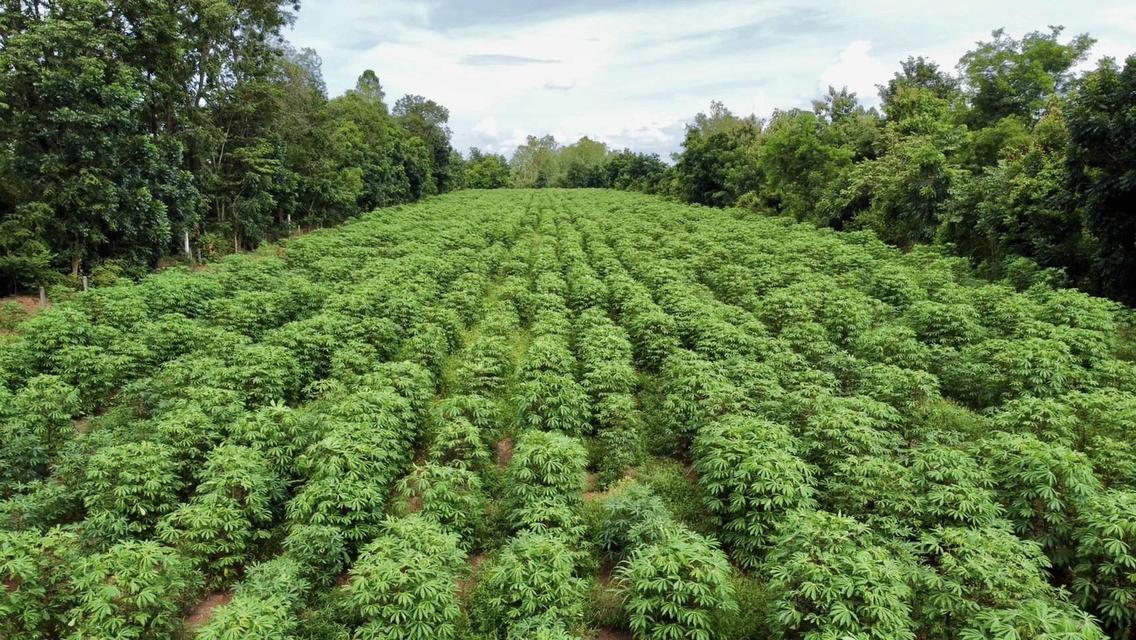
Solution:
(631, 73)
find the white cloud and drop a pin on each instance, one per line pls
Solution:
(632, 76)
(856, 69)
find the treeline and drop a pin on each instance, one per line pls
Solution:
(543, 162)
(1014, 161)
(132, 130)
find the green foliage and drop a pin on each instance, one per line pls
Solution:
(448, 496)
(1035, 619)
(1009, 77)
(751, 479)
(830, 578)
(118, 158)
(533, 575)
(227, 519)
(133, 590)
(675, 585)
(35, 423)
(35, 569)
(1104, 560)
(545, 468)
(264, 605)
(128, 487)
(319, 549)
(967, 571)
(1043, 488)
(974, 438)
(486, 170)
(1101, 165)
(403, 584)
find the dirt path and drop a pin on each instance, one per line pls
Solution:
(203, 612)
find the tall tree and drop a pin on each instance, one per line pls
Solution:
(535, 163)
(1007, 77)
(1102, 166)
(428, 121)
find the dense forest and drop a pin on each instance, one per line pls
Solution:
(1014, 161)
(135, 130)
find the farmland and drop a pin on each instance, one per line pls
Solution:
(552, 414)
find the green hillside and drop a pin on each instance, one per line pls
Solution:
(520, 414)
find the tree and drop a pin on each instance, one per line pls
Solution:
(370, 89)
(922, 73)
(80, 159)
(581, 164)
(486, 170)
(1102, 167)
(713, 167)
(799, 161)
(534, 164)
(1007, 77)
(427, 120)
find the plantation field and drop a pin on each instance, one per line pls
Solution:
(570, 414)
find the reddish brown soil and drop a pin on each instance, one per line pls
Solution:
(203, 612)
(30, 304)
(504, 452)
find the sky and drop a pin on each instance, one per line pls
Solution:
(632, 73)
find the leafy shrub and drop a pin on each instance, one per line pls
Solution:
(675, 586)
(544, 627)
(349, 475)
(680, 492)
(486, 366)
(830, 578)
(1104, 580)
(695, 393)
(876, 490)
(34, 425)
(552, 402)
(278, 433)
(751, 479)
(450, 497)
(227, 519)
(457, 442)
(545, 466)
(404, 583)
(967, 571)
(319, 550)
(261, 618)
(620, 438)
(135, 590)
(35, 569)
(11, 315)
(532, 575)
(1043, 488)
(1036, 619)
(996, 370)
(128, 487)
(951, 488)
